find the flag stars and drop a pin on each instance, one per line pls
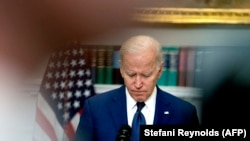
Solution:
(88, 82)
(81, 62)
(62, 84)
(74, 52)
(69, 94)
(79, 83)
(80, 73)
(66, 116)
(57, 75)
(65, 63)
(86, 93)
(64, 74)
(61, 95)
(51, 65)
(88, 72)
(76, 104)
(68, 105)
(73, 63)
(49, 75)
(78, 94)
(59, 106)
(55, 85)
(47, 85)
(53, 95)
(67, 82)
(70, 84)
(81, 51)
(72, 73)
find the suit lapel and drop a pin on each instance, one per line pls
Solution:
(117, 108)
(163, 111)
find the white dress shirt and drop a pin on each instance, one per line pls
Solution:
(148, 110)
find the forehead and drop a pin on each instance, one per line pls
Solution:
(138, 51)
(139, 63)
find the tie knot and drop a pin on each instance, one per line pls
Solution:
(140, 105)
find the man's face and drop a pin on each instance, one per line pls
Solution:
(140, 73)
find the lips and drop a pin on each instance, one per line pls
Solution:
(138, 92)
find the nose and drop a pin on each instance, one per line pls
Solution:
(138, 82)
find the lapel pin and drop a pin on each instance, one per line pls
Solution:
(166, 112)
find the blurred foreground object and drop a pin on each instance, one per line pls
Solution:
(30, 30)
(226, 83)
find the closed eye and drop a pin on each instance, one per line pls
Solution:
(131, 75)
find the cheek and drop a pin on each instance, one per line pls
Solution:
(152, 80)
(128, 82)
(149, 86)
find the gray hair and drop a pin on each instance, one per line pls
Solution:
(139, 43)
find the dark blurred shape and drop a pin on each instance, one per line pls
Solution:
(124, 133)
(81, 19)
(226, 84)
(31, 29)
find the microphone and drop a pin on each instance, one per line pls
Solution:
(124, 133)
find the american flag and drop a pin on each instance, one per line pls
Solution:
(66, 84)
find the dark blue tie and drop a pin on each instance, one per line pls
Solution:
(138, 120)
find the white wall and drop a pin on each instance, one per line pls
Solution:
(17, 117)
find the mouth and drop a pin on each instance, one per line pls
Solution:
(138, 93)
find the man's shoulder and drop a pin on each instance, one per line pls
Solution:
(171, 98)
(108, 94)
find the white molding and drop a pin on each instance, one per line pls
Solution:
(184, 92)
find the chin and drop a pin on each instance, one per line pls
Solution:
(140, 98)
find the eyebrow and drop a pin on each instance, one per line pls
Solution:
(131, 72)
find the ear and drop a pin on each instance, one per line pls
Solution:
(121, 69)
(160, 69)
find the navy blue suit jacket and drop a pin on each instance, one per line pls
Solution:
(104, 114)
